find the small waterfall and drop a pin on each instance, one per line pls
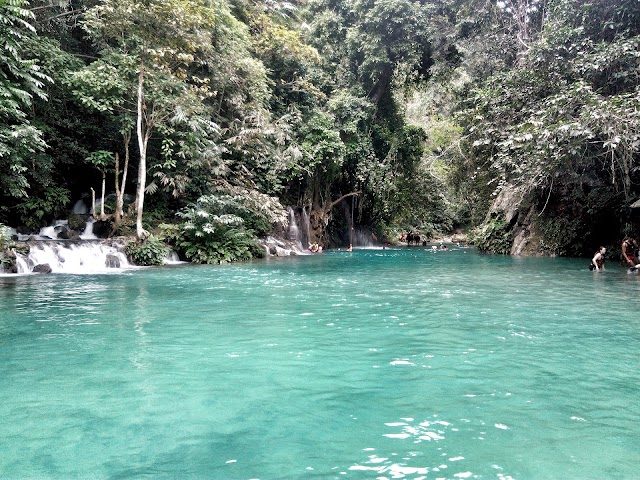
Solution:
(305, 237)
(51, 232)
(75, 257)
(363, 238)
(88, 230)
(294, 231)
(357, 236)
(80, 208)
(21, 264)
(172, 258)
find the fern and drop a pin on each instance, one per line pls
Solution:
(216, 230)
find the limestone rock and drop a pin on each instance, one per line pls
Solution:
(112, 261)
(42, 268)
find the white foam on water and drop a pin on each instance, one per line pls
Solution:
(401, 362)
(397, 435)
(88, 231)
(462, 475)
(75, 257)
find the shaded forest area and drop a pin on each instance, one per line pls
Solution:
(199, 122)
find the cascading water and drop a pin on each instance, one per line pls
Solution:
(74, 257)
(172, 258)
(80, 208)
(88, 230)
(305, 236)
(363, 238)
(358, 236)
(51, 250)
(51, 232)
(294, 231)
(22, 264)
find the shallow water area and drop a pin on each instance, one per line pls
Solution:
(394, 363)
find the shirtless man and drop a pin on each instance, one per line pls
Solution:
(629, 247)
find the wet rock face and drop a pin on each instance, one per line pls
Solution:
(102, 228)
(112, 261)
(281, 248)
(8, 261)
(42, 268)
(65, 233)
(77, 222)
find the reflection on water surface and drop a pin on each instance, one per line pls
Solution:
(372, 364)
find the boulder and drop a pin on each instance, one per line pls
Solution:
(77, 222)
(63, 232)
(102, 228)
(9, 260)
(42, 268)
(112, 261)
(23, 230)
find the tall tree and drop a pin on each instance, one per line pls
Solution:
(162, 41)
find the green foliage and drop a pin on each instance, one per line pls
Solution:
(20, 80)
(8, 248)
(560, 236)
(322, 147)
(5, 237)
(368, 42)
(36, 212)
(166, 41)
(564, 120)
(494, 236)
(101, 159)
(214, 230)
(242, 100)
(148, 252)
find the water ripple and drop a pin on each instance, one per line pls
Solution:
(380, 364)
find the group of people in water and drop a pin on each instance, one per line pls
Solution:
(315, 248)
(628, 256)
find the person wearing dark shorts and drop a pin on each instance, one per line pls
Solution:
(628, 257)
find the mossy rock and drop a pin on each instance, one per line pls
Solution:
(77, 222)
(103, 228)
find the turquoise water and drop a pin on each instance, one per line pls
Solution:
(371, 364)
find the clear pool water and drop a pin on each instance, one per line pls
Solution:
(371, 364)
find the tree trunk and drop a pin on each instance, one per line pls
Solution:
(118, 214)
(319, 218)
(93, 202)
(142, 168)
(380, 88)
(104, 177)
(120, 188)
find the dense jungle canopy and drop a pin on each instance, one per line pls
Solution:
(515, 120)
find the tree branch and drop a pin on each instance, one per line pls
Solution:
(335, 202)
